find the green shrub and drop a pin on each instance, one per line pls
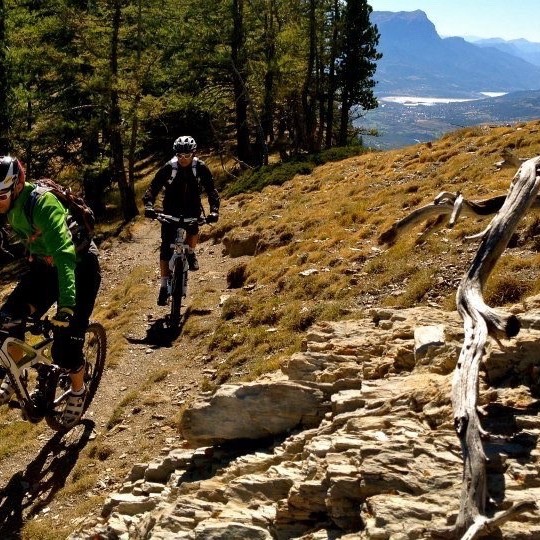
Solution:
(279, 173)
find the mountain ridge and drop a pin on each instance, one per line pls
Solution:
(522, 48)
(417, 61)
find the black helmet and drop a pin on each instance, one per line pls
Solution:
(11, 171)
(184, 145)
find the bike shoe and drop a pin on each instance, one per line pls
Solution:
(73, 410)
(163, 295)
(192, 261)
(6, 391)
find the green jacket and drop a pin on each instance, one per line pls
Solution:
(49, 238)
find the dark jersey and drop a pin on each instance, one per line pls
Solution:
(182, 189)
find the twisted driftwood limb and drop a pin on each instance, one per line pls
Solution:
(481, 321)
(484, 526)
(447, 203)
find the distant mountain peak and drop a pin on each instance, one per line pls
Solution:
(417, 61)
(411, 26)
(522, 48)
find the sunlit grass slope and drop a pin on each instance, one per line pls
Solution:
(318, 255)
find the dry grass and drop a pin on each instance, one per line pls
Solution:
(331, 265)
(117, 314)
(15, 432)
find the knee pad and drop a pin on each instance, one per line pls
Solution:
(67, 350)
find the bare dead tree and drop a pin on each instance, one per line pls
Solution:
(480, 322)
(446, 203)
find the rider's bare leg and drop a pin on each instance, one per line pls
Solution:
(192, 240)
(77, 380)
(164, 269)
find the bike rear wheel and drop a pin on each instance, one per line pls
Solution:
(177, 289)
(95, 352)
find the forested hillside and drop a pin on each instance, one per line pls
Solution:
(87, 88)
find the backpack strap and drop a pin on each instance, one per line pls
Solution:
(174, 164)
(31, 201)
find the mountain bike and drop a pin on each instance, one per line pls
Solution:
(41, 387)
(178, 263)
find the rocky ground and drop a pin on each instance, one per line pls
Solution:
(360, 439)
(363, 444)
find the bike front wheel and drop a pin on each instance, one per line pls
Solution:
(179, 278)
(95, 352)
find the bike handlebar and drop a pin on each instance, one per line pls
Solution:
(38, 327)
(183, 221)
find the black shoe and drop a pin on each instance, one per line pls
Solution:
(192, 261)
(163, 295)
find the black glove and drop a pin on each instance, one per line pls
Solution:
(149, 212)
(63, 317)
(212, 217)
(5, 319)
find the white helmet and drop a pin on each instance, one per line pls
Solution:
(11, 171)
(184, 145)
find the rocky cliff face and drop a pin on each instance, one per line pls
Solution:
(418, 62)
(353, 439)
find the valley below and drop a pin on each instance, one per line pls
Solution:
(400, 123)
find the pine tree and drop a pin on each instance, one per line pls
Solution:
(4, 84)
(358, 62)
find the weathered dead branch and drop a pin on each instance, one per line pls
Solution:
(446, 203)
(484, 526)
(480, 322)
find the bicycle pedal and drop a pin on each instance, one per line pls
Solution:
(14, 404)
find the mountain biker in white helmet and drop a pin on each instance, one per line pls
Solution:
(182, 179)
(56, 273)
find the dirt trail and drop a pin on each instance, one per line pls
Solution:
(155, 375)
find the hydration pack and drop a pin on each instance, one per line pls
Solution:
(82, 222)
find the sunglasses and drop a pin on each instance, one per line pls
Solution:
(184, 156)
(5, 195)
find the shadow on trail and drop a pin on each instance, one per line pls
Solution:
(31, 490)
(160, 334)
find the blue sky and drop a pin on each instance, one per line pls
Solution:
(506, 19)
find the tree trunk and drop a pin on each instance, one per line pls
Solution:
(480, 322)
(136, 101)
(344, 122)
(332, 79)
(238, 57)
(127, 193)
(267, 116)
(4, 84)
(307, 137)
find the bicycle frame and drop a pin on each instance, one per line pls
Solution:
(45, 396)
(178, 263)
(179, 252)
(16, 356)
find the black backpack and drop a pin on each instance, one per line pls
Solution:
(83, 220)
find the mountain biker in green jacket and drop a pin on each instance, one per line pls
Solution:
(182, 178)
(57, 273)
